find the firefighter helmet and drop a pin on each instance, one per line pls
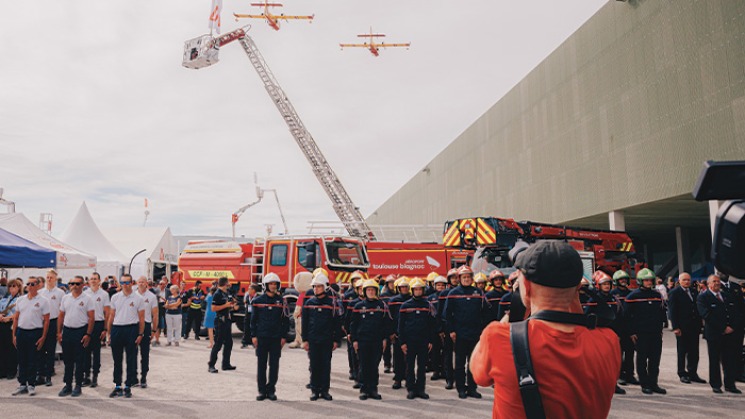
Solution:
(360, 282)
(645, 274)
(620, 274)
(496, 274)
(371, 283)
(601, 277)
(432, 275)
(452, 272)
(584, 282)
(465, 270)
(356, 275)
(417, 283)
(269, 278)
(321, 271)
(320, 279)
(479, 277)
(390, 278)
(441, 280)
(402, 282)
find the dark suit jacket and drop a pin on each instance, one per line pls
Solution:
(683, 311)
(734, 291)
(715, 314)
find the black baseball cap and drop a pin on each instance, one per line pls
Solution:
(551, 263)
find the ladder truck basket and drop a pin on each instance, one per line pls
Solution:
(200, 52)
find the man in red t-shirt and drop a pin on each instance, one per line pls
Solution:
(575, 367)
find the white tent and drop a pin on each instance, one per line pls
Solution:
(68, 257)
(84, 234)
(160, 250)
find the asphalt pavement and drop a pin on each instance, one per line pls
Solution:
(180, 386)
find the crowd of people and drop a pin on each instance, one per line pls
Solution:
(410, 325)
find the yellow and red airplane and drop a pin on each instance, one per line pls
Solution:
(372, 46)
(271, 19)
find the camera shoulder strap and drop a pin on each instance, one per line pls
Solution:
(532, 402)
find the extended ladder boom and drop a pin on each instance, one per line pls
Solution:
(348, 213)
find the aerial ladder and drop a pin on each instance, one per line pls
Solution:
(203, 51)
(259, 196)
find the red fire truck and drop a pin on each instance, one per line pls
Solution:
(493, 237)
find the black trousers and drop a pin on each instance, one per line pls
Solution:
(648, 354)
(28, 356)
(627, 357)
(268, 350)
(92, 362)
(435, 356)
(448, 350)
(387, 353)
(144, 349)
(739, 336)
(194, 321)
(320, 365)
(73, 354)
(369, 353)
(123, 341)
(416, 357)
(399, 362)
(8, 352)
(48, 351)
(725, 352)
(463, 378)
(185, 323)
(687, 345)
(246, 340)
(223, 340)
(353, 361)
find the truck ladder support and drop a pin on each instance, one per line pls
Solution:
(350, 215)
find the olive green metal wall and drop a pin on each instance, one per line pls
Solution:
(623, 113)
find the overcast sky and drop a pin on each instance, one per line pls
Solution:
(95, 105)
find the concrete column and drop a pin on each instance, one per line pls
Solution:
(684, 249)
(617, 221)
(713, 210)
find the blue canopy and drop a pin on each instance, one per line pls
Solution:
(17, 252)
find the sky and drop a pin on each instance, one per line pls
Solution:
(95, 105)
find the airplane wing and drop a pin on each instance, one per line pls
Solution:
(394, 45)
(354, 45)
(294, 17)
(244, 16)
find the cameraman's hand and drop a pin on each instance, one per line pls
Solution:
(677, 332)
(634, 338)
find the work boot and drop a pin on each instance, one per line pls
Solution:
(86, 380)
(127, 392)
(387, 370)
(356, 385)
(659, 390)
(633, 381)
(396, 385)
(94, 381)
(375, 395)
(462, 394)
(423, 395)
(48, 382)
(66, 391)
(117, 392)
(647, 390)
(697, 379)
(473, 393)
(622, 381)
(436, 376)
(410, 395)
(77, 391)
(363, 396)
(449, 385)
(260, 397)
(326, 396)
(314, 396)
(619, 390)
(272, 397)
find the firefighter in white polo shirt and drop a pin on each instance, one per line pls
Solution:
(74, 328)
(101, 304)
(126, 328)
(30, 329)
(151, 325)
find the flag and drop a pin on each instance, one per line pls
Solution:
(215, 16)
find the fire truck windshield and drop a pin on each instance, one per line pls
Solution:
(346, 253)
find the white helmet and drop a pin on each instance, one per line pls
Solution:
(441, 280)
(320, 279)
(270, 277)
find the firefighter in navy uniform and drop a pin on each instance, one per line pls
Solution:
(352, 359)
(435, 355)
(394, 305)
(269, 326)
(322, 332)
(646, 315)
(584, 296)
(465, 310)
(389, 291)
(430, 284)
(734, 291)
(222, 304)
(604, 298)
(447, 342)
(479, 281)
(494, 297)
(416, 331)
(370, 325)
(621, 281)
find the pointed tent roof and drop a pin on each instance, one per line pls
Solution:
(84, 234)
(68, 257)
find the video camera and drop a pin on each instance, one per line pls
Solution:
(726, 181)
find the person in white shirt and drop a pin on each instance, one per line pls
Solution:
(74, 328)
(54, 294)
(30, 329)
(92, 357)
(151, 325)
(126, 327)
